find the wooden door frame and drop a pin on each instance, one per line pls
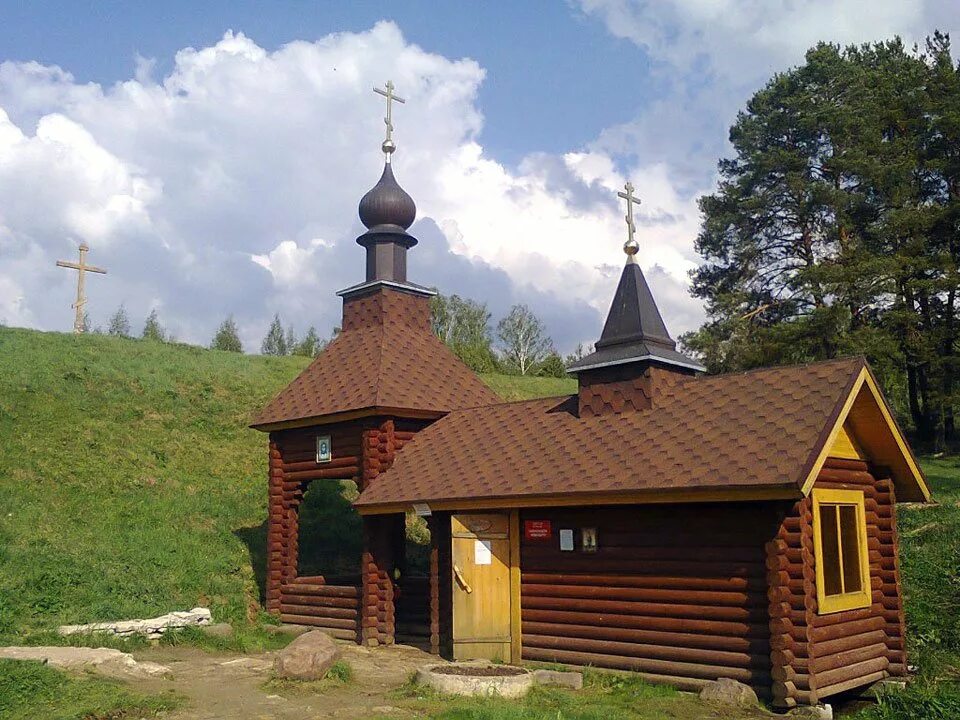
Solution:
(516, 643)
(513, 532)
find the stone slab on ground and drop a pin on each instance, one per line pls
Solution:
(308, 657)
(558, 678)
(727, 691)
(105, 661)
(152, 628)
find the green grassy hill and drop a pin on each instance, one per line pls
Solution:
(130, 484)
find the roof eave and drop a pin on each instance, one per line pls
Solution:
(691, 365)
(345, 415)
(748, 493)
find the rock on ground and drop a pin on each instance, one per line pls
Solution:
(153, 627)
(726, 691)
(309, 657)
(105, 661)
(289, 629)
(822, 711)
(218, 630)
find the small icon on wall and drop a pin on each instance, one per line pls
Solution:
(324, 450)
(588, 539)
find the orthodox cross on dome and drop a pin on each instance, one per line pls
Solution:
(631, 246)
(387, 92)
(81, 269)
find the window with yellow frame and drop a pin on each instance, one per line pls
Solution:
(840, 544)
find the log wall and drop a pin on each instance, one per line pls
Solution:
(413, 607)
(815, 656)
(676, 592)
(329, 604)
(362, 449)
(441, 584)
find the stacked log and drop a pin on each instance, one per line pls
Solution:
(377, 607)
(335, 609)
(792, 597)
(275, 516)
(890, 583)
(677, 594)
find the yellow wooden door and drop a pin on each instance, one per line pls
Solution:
(481, 586)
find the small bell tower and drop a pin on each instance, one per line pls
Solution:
(635, 358)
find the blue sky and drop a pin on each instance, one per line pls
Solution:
(212, 154)
(555, 77)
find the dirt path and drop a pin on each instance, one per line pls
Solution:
(218, 687)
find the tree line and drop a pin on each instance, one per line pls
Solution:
(519, 344)
(835, 228)
(227, 336)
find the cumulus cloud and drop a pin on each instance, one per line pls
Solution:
(709, 56)
(230, 186)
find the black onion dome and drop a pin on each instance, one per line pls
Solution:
(387, 204)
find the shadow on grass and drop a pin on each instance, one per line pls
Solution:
(255, 538)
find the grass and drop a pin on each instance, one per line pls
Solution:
(605, 696)
(339, 674)
(130, 484)
(930, 573)
(32, 690)
(513, 387)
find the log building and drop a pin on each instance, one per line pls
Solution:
(683, 526)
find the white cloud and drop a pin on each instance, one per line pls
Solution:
(204, 192)
(753, 37)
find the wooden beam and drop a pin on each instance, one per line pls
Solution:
(516, 645)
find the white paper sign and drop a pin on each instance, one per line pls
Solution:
(481, 552)
(566, 540)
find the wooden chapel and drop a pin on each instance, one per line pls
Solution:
(683, 526)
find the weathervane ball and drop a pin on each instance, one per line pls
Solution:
(631, 247)
(388, 147)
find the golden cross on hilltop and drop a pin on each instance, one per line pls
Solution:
(631, 246)
(81, 268)
(388, 146)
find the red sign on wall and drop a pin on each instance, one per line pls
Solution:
(537, 529)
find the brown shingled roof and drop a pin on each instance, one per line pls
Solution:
(379, 366)
(758, 429)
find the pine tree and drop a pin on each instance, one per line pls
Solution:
(119, 323)
(275, 343)
(833, 230)
(227, 337)
(152, 330)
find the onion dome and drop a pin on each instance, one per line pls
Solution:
(387, 205)
(387, 211)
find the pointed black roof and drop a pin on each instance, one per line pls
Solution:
(634, 330)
